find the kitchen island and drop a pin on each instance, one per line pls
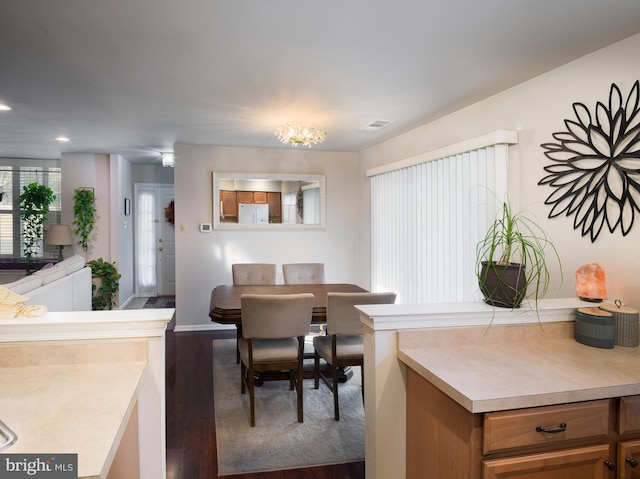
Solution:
(522, 400)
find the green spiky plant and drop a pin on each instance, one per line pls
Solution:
(514, 248)
(34, 208)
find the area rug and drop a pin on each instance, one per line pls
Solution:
(278, 441)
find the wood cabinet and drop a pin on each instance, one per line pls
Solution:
(583, 440)
(228, 205)
(230, 200)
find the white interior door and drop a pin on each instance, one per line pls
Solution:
(166, 244)
(155, 241)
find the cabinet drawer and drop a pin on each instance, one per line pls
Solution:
(629, 417)
(547, 425)
(583, 462)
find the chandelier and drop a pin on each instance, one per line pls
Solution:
(296, 133)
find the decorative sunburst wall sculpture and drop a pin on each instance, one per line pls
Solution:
(596, 165)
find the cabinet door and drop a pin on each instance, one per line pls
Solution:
(275, 207)
(260, 197)
(245, 197)
(629, 460)
(229, 204)
(578, 463)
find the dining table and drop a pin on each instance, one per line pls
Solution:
(225, 307)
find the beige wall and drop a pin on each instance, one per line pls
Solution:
(537, 109)
(203, 260)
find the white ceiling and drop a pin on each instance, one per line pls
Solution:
(134, 77)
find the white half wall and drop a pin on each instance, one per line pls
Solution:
(204, 259)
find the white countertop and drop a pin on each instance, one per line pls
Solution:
(70, 408)
(517, 366)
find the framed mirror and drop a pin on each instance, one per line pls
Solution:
(268, 201)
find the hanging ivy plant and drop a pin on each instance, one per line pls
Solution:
(84, 215)
(169, 213)
(34, 207)
(106, 284)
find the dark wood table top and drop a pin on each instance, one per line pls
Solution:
(225, 305)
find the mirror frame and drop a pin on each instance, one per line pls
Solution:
(245, 175)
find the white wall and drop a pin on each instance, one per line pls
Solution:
(203, 260)
(537, 109)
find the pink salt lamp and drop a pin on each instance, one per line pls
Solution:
(590, 283)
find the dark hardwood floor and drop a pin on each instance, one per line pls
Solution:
(191, 429)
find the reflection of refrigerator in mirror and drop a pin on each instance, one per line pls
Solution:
(252, 213)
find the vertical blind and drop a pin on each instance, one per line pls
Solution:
(427, 219)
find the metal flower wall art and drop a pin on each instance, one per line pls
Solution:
(595, 173)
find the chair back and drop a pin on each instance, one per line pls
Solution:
(253, 273)
(270, 316)
(343, 318)
(303, 273)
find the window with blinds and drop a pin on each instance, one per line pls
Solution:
(14, 174)
(429, 212)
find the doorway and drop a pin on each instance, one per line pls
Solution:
(154, 240)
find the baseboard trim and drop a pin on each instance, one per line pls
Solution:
(202, 327)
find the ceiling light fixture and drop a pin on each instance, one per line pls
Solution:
(62, 138)
(296, 133)
(168, 160)
(5, 107)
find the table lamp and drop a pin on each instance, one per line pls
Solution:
(60, 236)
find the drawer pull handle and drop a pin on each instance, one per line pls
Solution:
(632, 462)
(553, 430)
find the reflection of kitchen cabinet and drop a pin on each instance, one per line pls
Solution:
(230, 200)
(245, 197)
(565, 441)
(275, 207)
(229, 204)
(260, 197)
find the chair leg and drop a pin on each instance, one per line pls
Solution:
(243, 375)
(252, 405)
(316, 370)
(300, 391)
(362, 381)
(336, 407)
(238, 335)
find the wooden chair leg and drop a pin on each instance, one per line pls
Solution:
(316, 370)
(238, 335)
(252, 405)
(362, 381)
(336, 407)
(243, 375)
(300, 391)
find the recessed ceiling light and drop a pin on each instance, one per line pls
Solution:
(5, 107)
(62, 138)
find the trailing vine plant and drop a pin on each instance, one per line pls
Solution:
(34, 208)
(84, 215)
(103, 294)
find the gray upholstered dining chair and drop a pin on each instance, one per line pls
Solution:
(303, 273)
(273, 330)
(253, 273)
(343, 345)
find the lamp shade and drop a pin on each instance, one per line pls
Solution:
(59, 235)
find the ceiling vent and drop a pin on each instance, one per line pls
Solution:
(375, 125)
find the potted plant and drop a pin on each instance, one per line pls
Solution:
(34, 207)
(512, 258)
(84, 215)
(106, 282)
